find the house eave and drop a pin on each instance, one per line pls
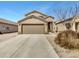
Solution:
(32, 17)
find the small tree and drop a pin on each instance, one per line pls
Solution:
(68, 12)
(61, 13)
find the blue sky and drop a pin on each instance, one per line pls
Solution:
(16, 10)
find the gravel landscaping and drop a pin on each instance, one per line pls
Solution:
(62, 52)
(4, 37)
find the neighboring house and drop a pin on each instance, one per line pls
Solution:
(74, 22)
(36, 23)
(7, 26)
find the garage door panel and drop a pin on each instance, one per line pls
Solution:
(33, 29)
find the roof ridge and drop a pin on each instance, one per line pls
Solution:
(38, 12)
(30, 17)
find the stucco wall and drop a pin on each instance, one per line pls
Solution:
(62, 26)
(75, 23)
(8, 28)
(54, 27)
(36, 14)
(52, 24)
(31, 21)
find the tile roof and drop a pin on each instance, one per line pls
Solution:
(65, 20)
(7, 21)
(43, 18)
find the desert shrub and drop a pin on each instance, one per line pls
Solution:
(68, 39)
(0, 32)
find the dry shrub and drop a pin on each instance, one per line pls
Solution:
(68, 39)
(0, 32)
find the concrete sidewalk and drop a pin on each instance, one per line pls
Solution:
(33, 46)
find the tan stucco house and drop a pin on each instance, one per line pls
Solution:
(36, 23)
(7, 26)
(74, 21)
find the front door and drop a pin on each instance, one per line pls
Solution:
(49, 30)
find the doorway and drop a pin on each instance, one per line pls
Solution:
(49, 30)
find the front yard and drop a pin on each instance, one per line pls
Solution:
(63, 53)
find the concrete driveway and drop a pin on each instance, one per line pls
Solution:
(5, 37)
(25, 46)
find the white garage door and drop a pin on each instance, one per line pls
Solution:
(33, 29)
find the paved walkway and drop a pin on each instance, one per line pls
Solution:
(33, 46)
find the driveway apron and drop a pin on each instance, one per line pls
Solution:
(27, 46)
